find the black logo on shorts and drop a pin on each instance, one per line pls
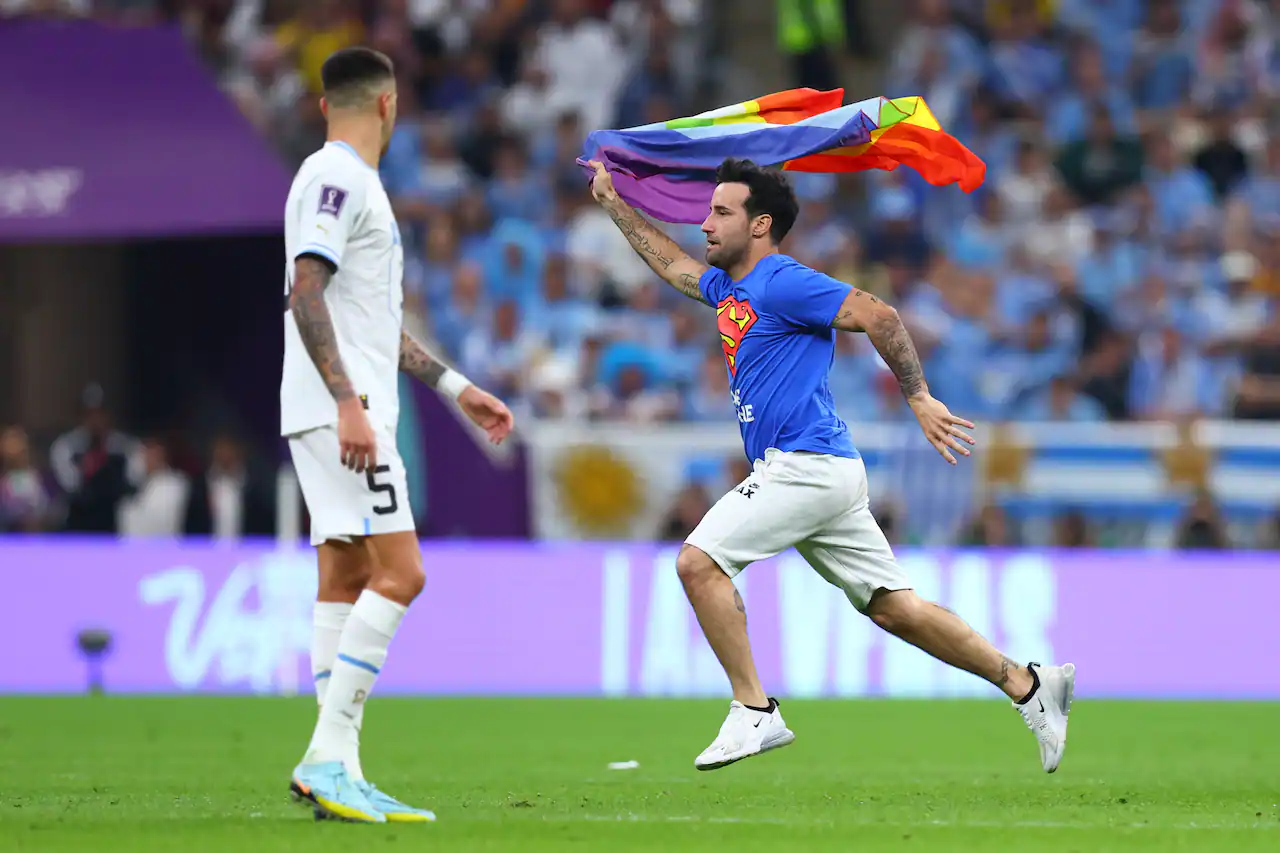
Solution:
(748, 489)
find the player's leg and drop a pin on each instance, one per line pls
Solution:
(723, 619)
(362, 509)
(344, 572)
(1041, 694)
(761, 517)
(853, 554)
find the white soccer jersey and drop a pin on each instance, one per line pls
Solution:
(337, 209)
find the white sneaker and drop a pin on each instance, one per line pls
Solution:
(743, 734)
(1046, 711)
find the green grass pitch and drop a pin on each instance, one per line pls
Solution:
(185, 774)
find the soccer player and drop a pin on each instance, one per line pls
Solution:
(777, 321)
(339, 406)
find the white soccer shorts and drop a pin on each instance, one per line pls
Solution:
(814, 502)
(342, 503)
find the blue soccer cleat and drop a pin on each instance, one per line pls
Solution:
(394, 810)
(331, 791)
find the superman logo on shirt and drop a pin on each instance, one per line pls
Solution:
(734, 319)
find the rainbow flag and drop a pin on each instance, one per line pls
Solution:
(668, 169)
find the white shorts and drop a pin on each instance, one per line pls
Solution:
(342, 503)
(814, 502)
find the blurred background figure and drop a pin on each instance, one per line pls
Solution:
(158, 503)
(26, 492)
(96, 467)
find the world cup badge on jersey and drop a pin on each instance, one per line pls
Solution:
(331, 200)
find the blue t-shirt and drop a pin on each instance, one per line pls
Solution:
(775, 329)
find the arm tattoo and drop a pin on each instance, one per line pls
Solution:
(417, 362)
(658, 250)
(315, 326)
(894, 345)
(846, 319)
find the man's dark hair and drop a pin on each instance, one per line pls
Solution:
(769, 192)
(348, 74)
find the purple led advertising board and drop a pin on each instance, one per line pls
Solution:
(123, 133)
(581, 619)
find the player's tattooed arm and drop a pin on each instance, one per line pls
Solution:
(315, 325)
(418, 362)
(659, 251)
(862, 312)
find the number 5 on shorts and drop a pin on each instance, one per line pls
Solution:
(375, 486)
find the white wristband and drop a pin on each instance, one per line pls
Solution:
(452, 384)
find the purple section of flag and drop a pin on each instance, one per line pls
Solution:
(612, 620)
(668, 198)
(120, 132)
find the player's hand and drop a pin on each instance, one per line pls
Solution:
(356, 437)
(487, 412)
(602, 184)
(942, 428)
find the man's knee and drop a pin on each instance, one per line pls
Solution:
(398, 571)
(895, 610)
(345, 571)
(694, 566)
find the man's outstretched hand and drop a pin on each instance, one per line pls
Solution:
(942, 428)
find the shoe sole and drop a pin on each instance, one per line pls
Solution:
(323, 809)
(785, 739)
(408, 817)
(1069, 676)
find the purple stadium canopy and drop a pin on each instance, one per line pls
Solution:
(116, 133)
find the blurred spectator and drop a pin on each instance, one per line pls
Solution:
(1202, 527)
(1091, 102)
(1061, 402)
(1064, 234)
(709, 398)
(991, 529)
(583, 62)
(1171, 381)
(158, 506)
(1100, 165)
(1182, 196)
(497, 355)
(229, 498)
(1072, 530)
(1023, 188)
(319, 28)
(1258, 396)
(1222, 160)
(26, 493)
(686, 511)
(95, 466)
(809, 33)
(1161, 65)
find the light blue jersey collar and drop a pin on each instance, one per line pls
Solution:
(345, 147)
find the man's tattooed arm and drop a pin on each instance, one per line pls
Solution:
(862, 312)
(418, 362)
(306, 301)
(659, 251)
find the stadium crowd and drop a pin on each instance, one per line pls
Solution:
(1122, 260)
